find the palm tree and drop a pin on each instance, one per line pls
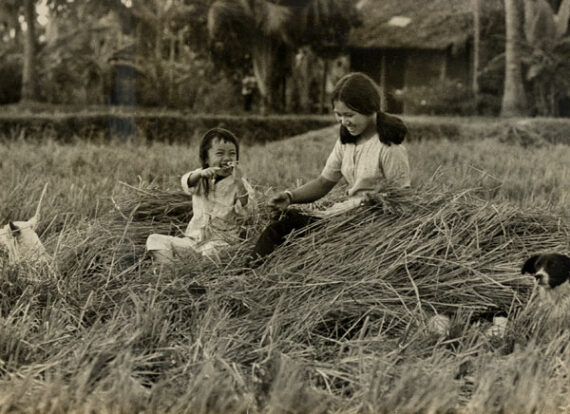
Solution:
(10, 13)
(260, 29)
(547, 54)
(29, 93)
(514, 99)
(271, 31)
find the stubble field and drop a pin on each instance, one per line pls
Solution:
(333, 322)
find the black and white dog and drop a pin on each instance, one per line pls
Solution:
(552, 273)
(550, 270)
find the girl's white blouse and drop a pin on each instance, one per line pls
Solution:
(368, 166)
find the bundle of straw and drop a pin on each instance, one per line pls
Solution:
(409, 255)
(116, 241)
(166, 211)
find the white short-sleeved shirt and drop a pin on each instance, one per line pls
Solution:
(368, 166)
(220, 214)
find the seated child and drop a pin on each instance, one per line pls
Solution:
(221, 202)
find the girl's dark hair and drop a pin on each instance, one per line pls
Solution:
(361, 94)
(223, 135)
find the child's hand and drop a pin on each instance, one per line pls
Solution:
(227, 169)
(279, 201)
(237, 173)
(210, 173)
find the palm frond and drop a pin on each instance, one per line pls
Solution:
(562, 17)
(277, 20)
(539, 22)
(227, 18)
(329, 21)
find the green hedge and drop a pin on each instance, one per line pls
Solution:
(525, 132)
(156, 127)
(177, 127)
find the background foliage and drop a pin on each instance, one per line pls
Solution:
(177, 54)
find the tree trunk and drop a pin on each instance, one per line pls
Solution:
(261, 58)
(384, 82)
(304, 74)
(29, 66)
(324, 86)
(553, 100)
(514, 100)
(171, 63)
(443, 65)
(266, 57)
(476, 4)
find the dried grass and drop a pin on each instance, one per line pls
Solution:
(410, 254)
(351, 297)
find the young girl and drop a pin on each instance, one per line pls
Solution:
(220, 202)
(368, 155)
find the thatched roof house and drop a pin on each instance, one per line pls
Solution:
(409, 43)
(432, 24)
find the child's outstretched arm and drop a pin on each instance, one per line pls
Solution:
(193, 177)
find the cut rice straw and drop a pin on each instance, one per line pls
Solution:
(408, 254)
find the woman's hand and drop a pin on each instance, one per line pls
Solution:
(279, 201)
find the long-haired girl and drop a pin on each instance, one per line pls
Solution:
(369, 155)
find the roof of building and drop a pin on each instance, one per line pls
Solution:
(412, 24)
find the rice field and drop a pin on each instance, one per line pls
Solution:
(334, 322)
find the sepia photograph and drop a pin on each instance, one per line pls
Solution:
(285, 206)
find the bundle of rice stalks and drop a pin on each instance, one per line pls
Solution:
(376, 270)
(394, 263)
(116, 241)
(167, 212)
